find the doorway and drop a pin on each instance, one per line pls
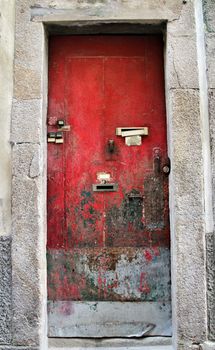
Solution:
(108, 246)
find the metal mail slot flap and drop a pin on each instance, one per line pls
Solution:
(105, 187)
(132, 131)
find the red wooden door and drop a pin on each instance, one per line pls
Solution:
(108, 223)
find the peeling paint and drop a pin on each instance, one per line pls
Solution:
(109, 274)
(108, 246)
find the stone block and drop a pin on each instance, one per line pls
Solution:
(29, 39)
(209, 11)
(29, 55)
(44, 10)
(210, 244)
(26, 121)
(190, 307)
(26, 255)
(25, 208)
(187, 162)
(26, 160)
(29, 45)
(208, 345)
(182, 65)
(210, 238)
(5, 290)
(210, 52)
(185, 23)
(27, 83)
(7, 10)
(211, 100)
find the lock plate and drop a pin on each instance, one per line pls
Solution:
(132, 131)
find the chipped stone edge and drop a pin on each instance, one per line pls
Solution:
(208, 345)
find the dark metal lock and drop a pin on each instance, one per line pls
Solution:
(59, 137)
(61, 125)
(51, 137)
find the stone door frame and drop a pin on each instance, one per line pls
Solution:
(189, 151)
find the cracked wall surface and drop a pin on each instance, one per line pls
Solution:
(184, 95)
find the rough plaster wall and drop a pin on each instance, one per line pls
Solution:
(7, 8)
(6, 78)
(209, 17)
(28, 188)
(187, 179)
(5, 290)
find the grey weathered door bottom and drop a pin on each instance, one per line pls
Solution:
(108, 319)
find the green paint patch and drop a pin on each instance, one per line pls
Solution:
(86, 198)
(49, 262)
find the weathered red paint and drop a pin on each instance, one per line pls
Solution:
(99, 83)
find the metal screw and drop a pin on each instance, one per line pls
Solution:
(166, 169)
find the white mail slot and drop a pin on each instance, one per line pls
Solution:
(132, 131)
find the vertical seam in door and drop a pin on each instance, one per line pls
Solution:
(66, 242)
(103, 117)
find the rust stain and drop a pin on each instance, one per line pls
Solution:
(154, 202)
(125, 223)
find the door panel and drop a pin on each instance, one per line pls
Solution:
(110, 248)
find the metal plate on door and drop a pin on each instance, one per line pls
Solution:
(105, 187)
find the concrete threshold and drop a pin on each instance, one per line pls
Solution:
(153, 343)
(118, 348)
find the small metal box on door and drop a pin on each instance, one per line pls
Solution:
(108, 219)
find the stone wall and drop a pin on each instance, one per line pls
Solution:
(7, 8)
(209, 18)
(187, 110)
